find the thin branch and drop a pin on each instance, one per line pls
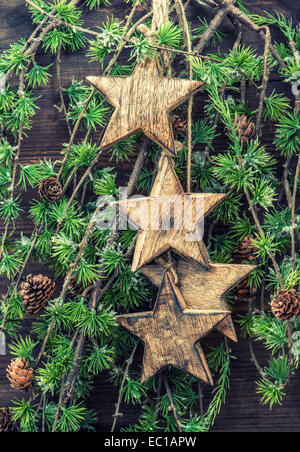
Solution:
(62, 107)
(187, 39)
(265, 78)
(125, 376)
(172, 403)
(293, 208)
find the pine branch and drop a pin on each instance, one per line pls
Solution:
(62, 107)
(293, 209)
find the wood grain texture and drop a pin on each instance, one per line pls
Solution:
(152, 240)
(143, 101)
(171, 331)
(204, 289)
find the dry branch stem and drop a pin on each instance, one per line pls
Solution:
(213, 26)
(172, 403)
(293, 210)
(265, 78)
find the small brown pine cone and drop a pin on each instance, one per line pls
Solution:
(6, 423)
(179, 126)
(286, 304)
(36, 292)
(75, 287)
(246, 249)
(20, 374)
(50, 189)
(243, 291)
(244, 127)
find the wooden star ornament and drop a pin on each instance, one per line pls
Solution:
(171, 331)
(184, 239)
(143, 101)
(205, 289)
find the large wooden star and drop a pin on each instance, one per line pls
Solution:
(171, 331)
(205, 289)
(143, 101)
(154, 241)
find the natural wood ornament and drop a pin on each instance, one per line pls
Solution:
(143, 101)
(204, 289)
(171, 331)
(152, 243)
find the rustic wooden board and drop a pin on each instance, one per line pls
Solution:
(242, 411)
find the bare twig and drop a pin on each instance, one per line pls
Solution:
(172, 404)
(125, 376)
(265, 78)
(293, 209)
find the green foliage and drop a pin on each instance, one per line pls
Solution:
(23, 347)
(124, 149)
(109, 38)
(97, 359)
(14, 59)
(29, 174)
(10, 264)
(271, 331)
(71, 418)
(217, 36)
(266, 245)
(96, 324)
(275, 106)
(10, 209)
(112, 260)
(7, 152)
(25, 413)
(271, 393)
(142, 47)
(94, 4)
(95, 113)
(243, 168)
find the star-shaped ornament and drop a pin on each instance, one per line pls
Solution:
(143, 101)
(174, 226)
(171, 332)
(205, 289)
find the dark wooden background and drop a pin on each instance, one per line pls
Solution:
(242, 412)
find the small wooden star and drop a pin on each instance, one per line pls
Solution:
(171, 331)
(205, 289)
(152, 242)
(143, 101)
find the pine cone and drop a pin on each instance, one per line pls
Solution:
(179, 126)
(20, 374)
(50, 189)
(286, 304)
(6, 423)
(36, 291)
(243, 292)
(244, 127)
(245, 249)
